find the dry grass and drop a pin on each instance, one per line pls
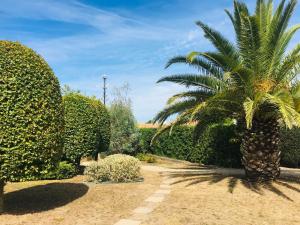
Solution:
(74, 202)
(213, 199)
(202, 197)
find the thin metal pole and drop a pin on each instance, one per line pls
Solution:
(104, 89)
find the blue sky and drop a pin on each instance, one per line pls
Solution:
(129, 40)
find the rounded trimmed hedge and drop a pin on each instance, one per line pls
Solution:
(31, 114)
(87, 129)
(104, 131)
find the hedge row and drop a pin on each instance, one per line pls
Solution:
(216, 146)
(290, 147)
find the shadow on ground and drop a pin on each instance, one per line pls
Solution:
(190, 178)
(42, 197)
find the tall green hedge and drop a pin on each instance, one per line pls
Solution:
(215, 146)
(104, 129)
(31, 114)
(290, 147)
(87, 129)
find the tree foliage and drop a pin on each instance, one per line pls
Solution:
(31, 114)
(124, 135)
(253, 78)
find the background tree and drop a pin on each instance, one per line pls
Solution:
(31, 115)
(124, 134)
(253, 82)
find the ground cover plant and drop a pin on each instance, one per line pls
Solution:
(251, 82)
(31, 115)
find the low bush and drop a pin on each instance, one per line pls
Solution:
(215, 146)
(146, 157)
(290, 147)
(64, 170)
(114, 168)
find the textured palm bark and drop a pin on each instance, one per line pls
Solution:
(260, 148)
(1, 196)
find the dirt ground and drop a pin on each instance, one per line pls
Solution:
(73, 202)
(209, 198)
(200, 196)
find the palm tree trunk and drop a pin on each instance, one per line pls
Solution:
(260, 148)
(1, 196)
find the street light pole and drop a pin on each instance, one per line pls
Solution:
(104, 89)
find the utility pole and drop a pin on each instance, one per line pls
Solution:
(104, 88)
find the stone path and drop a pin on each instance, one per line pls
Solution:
(139, 214)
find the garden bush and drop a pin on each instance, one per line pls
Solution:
(290, 147)
(31, 114)
(216, 145)
(64, 170)
(87, 128)
(146, 157)
(114, 168)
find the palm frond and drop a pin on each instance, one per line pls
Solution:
(208, 83)
(204, 66)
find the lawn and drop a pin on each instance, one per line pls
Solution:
(199, 196)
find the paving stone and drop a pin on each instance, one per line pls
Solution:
(165, 186)
(163, 191)
(155, 199)
(128, 222)
(167, 182)
(143, 210)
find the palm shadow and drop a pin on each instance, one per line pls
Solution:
(190, 178)
(42, 197)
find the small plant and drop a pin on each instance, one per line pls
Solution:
(64, 170)
(146, 157)
(114, 168)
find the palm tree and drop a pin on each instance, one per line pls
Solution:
(252, 82)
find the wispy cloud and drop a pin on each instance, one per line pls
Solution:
(130, 45)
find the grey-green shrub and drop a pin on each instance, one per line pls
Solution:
(114, 168)
(31, 114)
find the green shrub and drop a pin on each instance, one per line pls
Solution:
(146, 157)
(83, 131)
(114, 168)
(31, 114)
(290, 147)
(124, 134)
(64, 170)
(215, 145)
